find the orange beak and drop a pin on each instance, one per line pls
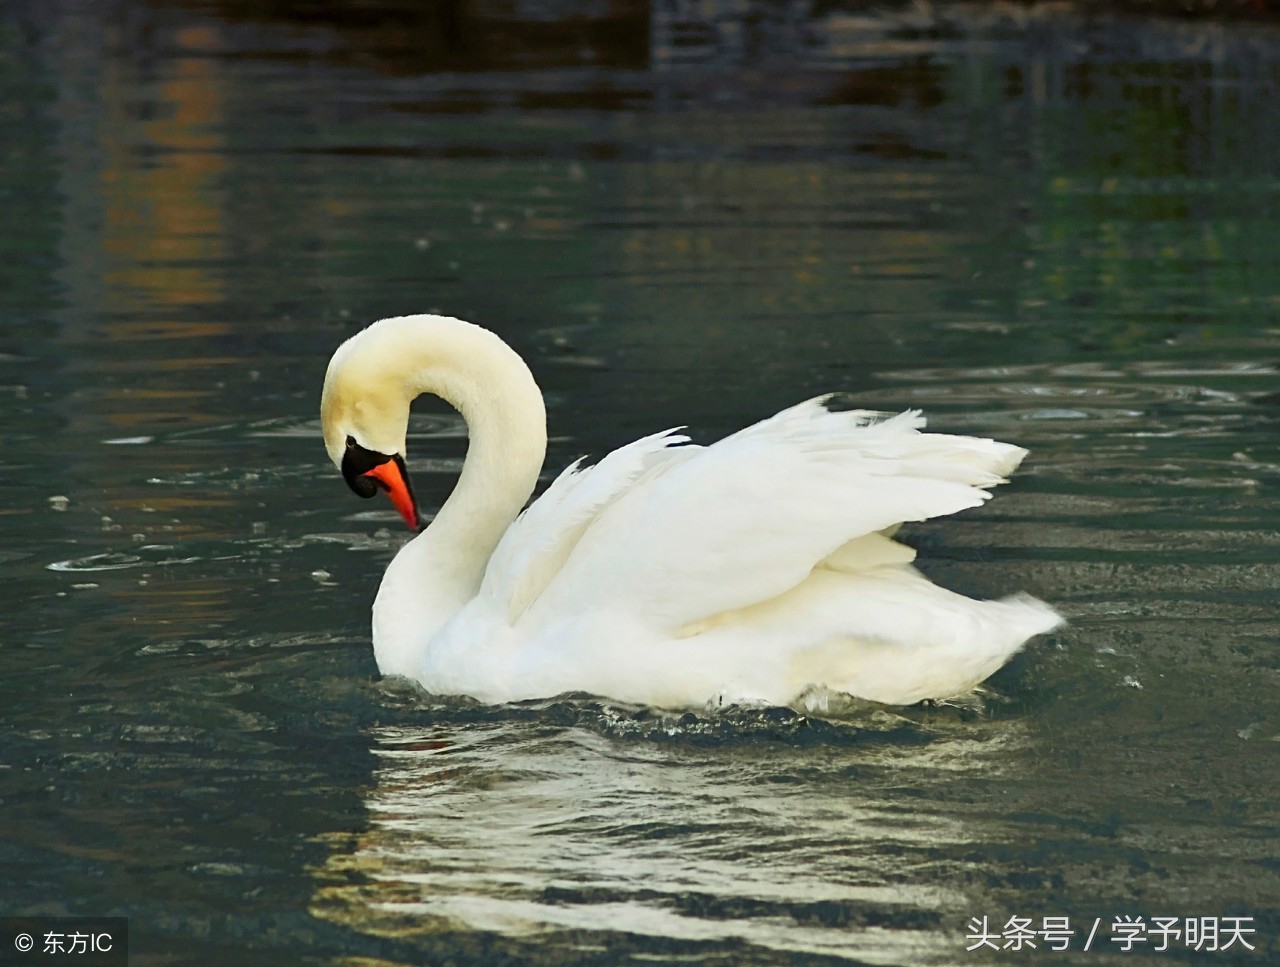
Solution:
(392, 478)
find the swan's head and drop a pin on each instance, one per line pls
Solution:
(364, 415)
(375, 375)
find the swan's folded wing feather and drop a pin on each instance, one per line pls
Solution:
(749, 517)
(536, 545)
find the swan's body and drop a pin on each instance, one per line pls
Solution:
(666, 574)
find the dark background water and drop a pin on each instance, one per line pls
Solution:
(1059, 232)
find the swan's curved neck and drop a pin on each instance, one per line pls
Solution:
(507, 432)
(441, 569)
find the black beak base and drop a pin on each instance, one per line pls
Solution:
(365, 472)
(358, 461)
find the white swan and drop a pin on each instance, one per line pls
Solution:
(667, 574)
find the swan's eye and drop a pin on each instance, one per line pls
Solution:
(351, 442)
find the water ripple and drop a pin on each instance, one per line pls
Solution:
(120, 561)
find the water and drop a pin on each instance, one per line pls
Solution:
(1051, 233)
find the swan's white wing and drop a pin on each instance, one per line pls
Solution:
(535, 547)
(749, 517)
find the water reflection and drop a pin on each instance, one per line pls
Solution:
(718, 831)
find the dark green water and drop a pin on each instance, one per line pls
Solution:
(1062, 236)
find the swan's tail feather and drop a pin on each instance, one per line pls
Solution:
(941, 662)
